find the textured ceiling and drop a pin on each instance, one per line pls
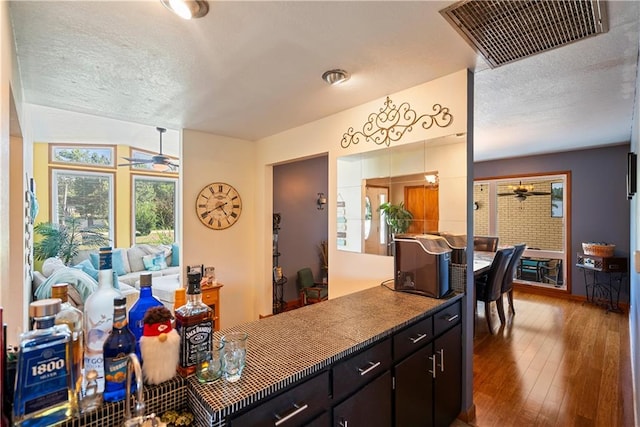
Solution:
(252, 69)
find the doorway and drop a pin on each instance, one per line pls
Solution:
(534, 209)
(422, 202)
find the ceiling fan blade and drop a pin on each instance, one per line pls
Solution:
(537, 193)
(133, 164)
(507, 194)
(133, 159)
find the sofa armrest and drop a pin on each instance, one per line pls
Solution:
(38, 279)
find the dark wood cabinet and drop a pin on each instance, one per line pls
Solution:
(428, 383)
(411, 378)
(447, 390)
(414, 390)
(296, 407)
(370, 406)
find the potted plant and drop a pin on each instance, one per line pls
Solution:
(65, 240)
(396, 216)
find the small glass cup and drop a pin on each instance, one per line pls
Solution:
(209, 363)
(234, 355)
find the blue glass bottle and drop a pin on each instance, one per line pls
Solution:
(44, 377)
(139, 309)
(116, 351)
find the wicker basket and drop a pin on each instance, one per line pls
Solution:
(598, 249)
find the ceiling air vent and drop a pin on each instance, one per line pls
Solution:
(506, 31)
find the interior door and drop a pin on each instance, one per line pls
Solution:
(422, 202)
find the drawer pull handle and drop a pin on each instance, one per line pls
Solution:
(344, 423)
(296, 410)
(418, 338)
(452, 318)
(433, 365)
(371, 367)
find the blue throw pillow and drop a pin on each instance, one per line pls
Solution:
(175, 255)
(87, 267)
(117, 263)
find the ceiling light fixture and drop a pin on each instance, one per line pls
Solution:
(187, 9)
(334, 77)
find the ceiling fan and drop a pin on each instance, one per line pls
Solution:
(159, 162)
(521, 192)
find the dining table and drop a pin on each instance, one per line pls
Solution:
(482, 262)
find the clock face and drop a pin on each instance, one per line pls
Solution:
(218, 205)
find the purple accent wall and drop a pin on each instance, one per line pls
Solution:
(599, 205)
(295, 192)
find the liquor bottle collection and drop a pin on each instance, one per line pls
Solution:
(72, 361)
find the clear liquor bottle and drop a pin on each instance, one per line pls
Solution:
(44, 380)
(98, 320)
(116, 351)
(139, 309)
(72, 317)
(194, 324)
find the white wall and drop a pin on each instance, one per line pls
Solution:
(207, 158)
(12, 187)
(634, 282)
(350, 272)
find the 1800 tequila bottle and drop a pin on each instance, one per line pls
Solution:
(44, 379)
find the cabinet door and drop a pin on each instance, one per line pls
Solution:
(414, 389)
(448, 381)
(370, 406)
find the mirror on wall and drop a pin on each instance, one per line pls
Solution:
(412, 188)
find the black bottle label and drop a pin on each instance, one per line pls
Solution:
(194, 338)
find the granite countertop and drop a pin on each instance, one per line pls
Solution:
(285, 348)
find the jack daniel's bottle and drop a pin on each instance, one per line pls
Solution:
(194, 323)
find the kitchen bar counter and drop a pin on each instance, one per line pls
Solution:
(283, 349)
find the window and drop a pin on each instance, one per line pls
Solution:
(83, 155)
(84, 195)
(154, 204)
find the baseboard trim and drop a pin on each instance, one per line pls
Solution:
(468, 415)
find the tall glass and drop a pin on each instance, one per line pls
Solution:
(234, 355)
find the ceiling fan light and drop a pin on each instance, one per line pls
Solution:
(187, 9)
(160, 167)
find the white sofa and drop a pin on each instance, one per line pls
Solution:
(128, 264)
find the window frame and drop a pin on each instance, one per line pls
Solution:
(53, 179)
(176, 215)
(92, 147)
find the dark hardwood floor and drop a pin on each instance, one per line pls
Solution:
(556, 362)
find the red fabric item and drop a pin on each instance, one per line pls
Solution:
(156, 329)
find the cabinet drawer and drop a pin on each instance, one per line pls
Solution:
(369, 407)
(414, 337)
(295, 407)
(209, 298)
(446, 318)
(361, 368)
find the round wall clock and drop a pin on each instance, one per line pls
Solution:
(218, 205)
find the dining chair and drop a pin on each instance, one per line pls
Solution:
(507, 283)
(485, 243)
(489, 288)
(551, 272)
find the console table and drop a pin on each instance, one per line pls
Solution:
(603, 277)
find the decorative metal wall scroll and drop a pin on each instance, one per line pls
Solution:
(392, 122)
